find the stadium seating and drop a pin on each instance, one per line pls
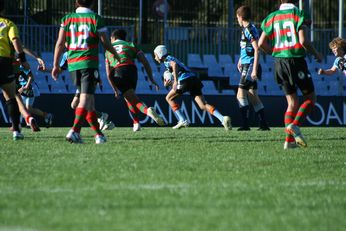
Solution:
(209, 88)
(222, 68)
(225, 59)
(195, 61)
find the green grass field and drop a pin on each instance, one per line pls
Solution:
(162, 179)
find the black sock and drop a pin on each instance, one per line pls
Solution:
(261, 118)
(245, 115)
(13, 112)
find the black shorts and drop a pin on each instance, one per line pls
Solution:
(86, 80)
(293, 73)
(191, 84)
(6, 73)
(125, 77)
(246, 82)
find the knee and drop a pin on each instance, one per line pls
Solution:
(168, 98)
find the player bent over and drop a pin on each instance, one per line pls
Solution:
(185, 81)
(123, 76)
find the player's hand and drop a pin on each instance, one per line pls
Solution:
(254, 75)
(320, 71)
(167, 83)
(116, 93)
(20, 90)
(41, 64)
(55, 73)
(239, 66)
(157, 88)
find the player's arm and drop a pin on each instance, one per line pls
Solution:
(30, 80)
(264, 45)
(109, 78)
(28, 83)
(18, 47)
(40, 61)
(59, 49)
(305, 42)
(256, 59)
(108, 46)
(141, 57)
(329, 71)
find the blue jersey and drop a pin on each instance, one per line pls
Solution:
(248, 35)
(340, 63)
(183, 71)
(63, 61)
(22, 80)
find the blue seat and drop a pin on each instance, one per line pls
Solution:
(195, 61)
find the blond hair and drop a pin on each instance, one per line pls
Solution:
(338, 43)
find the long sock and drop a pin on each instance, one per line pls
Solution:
(91, 117)
(13, 112)
(289, 117)
(259, 109)
(141, 106)
(176, 109)
(134, 112)
(244, 111)
(213, 111)
(304, 109)
(27, 119)
(80, 114)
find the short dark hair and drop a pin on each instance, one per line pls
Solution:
(289, 1)
(85, 3)
(119, 34)
(244, 12)
(2, 5)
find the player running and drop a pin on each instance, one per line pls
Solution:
(185, 81)
(285, 28)
(102, 117)
(28, 91)
(82, 32)
(123, 76)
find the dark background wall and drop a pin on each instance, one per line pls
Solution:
(330, 111)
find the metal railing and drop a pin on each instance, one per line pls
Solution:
(179, 40)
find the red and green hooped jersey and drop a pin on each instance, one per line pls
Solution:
(282, 28)
(81, 30)
(127, 52)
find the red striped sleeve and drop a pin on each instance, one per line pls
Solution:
(282, 17)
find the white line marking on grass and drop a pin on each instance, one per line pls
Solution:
(182, 188)
(16, 229)
(133, 187)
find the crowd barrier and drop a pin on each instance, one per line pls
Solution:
(328, 112)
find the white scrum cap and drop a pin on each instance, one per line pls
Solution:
(160, 51)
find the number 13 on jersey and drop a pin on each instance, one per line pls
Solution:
(286, 36)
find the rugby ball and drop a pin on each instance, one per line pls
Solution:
(168, 78)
